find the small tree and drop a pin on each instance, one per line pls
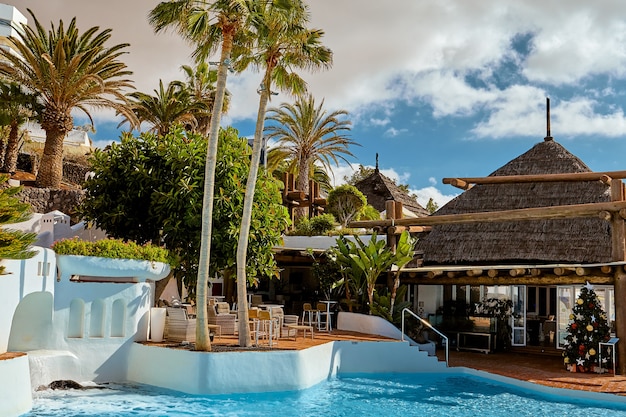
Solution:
(432, 206)
(587, 328)
(346, 203)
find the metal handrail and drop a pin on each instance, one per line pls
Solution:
(427, 324)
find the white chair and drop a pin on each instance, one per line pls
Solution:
(322, 311)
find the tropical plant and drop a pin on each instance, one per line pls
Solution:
(167, 107)
(200, 84)
(369, 213)
(346, 203)
(368, 260)
(68, 71)
(353, 277)
(306, 135)
(385, 307)
(209, 25)
(14, 244)
(16, 107)
(405, 251)
(112, 248)
(279, 43)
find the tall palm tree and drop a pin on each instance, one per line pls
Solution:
(68, 70)
(306, 135)
(200, 85)
(167, 107)
(16, 107)
(209, 25)
(279, 43)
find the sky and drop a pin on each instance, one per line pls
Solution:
(446, 88)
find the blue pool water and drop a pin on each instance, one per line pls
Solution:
(381, 395)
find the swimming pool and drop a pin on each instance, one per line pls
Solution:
(447, 394)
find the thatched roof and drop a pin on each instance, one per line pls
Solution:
(579, 240)
(377, 188)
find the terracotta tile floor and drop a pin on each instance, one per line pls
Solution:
(539, 369)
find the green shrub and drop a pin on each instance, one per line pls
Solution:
(112, 248)
(322, 224)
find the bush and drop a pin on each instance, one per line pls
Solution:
(316, 226)
(112, 248)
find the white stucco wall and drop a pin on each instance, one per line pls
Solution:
(15, 391)
(203, 373)
(23, 277)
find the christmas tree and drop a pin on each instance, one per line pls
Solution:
(587, 328)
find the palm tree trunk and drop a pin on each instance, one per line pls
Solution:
(244, 233)
(302, 184)
(203, 343)
(10, 154)
(50, 171)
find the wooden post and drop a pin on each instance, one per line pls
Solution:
(390, 213)
(620, 319)
(618, 231)
(617, 244)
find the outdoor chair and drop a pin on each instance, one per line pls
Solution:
(322, 312)
(179, 327)
(226, 321)
(308, 314)
(285, 330)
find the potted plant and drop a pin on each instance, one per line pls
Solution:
(111, 258)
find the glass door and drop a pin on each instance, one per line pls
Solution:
(518, 318)
(565, 302)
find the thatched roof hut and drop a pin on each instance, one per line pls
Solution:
(378, 189)
(576, 240)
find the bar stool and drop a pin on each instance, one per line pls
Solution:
(308, 312)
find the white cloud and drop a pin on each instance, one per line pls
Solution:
(426, 193)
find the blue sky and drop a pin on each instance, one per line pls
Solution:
(438, 89)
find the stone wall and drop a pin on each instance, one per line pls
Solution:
(45, 200)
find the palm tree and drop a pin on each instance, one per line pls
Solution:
(279, 43)
(16, 107)
(209, 25)
(200, 85)
(167, 107)
(68, 71)
(307, 135)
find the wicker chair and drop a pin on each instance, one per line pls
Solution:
(178, 326)
(219, 314)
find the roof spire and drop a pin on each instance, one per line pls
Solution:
(548, 138)
(376, 169)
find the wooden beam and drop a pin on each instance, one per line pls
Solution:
(618, 229)
(535, 272)
(474, 272)
(533, 213)
(605, 215)
(517, 272)
(563, 271)
(492, 273)
(606, 269)
(511, 179)
(459, 184)
(433, 274)
(547, 279)
(452, 274)
(580, 271)
(606, 179)
(397, 230)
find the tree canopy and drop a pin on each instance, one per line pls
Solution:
(150, 189)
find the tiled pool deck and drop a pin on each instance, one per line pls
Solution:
(539, 369)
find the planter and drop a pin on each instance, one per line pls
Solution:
(157, 323)
(109, 267)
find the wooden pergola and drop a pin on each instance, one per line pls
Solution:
(609, 273)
